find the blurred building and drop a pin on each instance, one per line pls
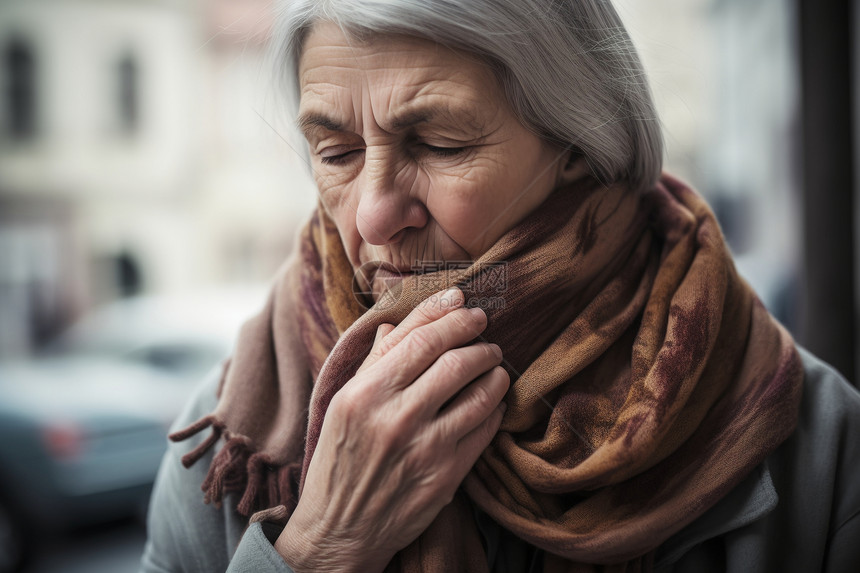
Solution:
(753, 152)
(138, 153)
(725, 78)
(140, 147)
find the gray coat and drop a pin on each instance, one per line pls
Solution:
(797, 511)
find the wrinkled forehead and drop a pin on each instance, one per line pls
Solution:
(396, 72)
(328, 40)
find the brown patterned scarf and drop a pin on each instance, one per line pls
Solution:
(647, 379)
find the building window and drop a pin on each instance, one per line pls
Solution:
(20, 90)
(127, 93)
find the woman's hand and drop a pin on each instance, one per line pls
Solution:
(389, 456)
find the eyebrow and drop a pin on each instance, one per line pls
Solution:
(307, 122)
(411, 118)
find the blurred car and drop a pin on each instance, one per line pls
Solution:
(84, 424)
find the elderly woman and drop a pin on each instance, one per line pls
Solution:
(506, 341)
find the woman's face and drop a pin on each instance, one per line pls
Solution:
(416, 153)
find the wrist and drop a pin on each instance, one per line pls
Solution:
(297, 550)
(307, 550)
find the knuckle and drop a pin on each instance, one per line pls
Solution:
(454, 364)
(389, 432)
(356, 397)
(408, 413)
(425, 341)
(423, 461)
(404, 413)
(420, 465)
(345, 402)
(483, 399)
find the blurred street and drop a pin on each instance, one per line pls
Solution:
(111, 548)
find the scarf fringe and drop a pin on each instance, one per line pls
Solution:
(277, 514)
(191, 457)
(226, 472)
(258, 478)
(237, 467)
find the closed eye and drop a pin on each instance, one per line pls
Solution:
(348, 156)
(341, 158)
(444, 151)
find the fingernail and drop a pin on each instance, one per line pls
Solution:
(497, 350)
(452, 296)
(477, 312)
(503, 407)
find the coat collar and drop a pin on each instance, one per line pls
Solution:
(749, 501)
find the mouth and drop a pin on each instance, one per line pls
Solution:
(387, 276)
(375, 278)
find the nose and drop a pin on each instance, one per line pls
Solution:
(386, 206)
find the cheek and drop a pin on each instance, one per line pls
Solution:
(335, 195)
(333, 188)
(476, 205)
(464, 203)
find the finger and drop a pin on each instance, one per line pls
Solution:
(404, 363)
(475, 403)
(469, 448)
(377, 350)
(451, 373)
(430, 309)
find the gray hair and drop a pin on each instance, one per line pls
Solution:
(568, 67)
